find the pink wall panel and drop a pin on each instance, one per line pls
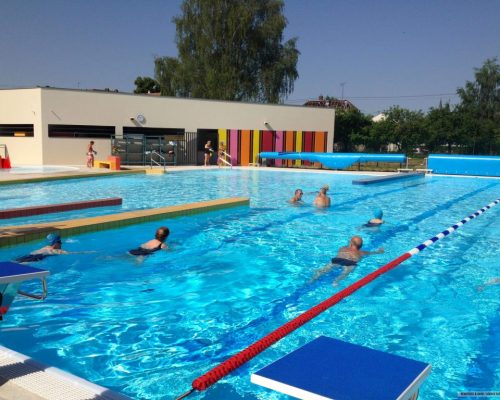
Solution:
(279, 146)
(233, 146)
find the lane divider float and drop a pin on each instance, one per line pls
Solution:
(203, 382)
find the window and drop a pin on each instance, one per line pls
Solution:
(139, 131)
(16, 130)
(81, 131)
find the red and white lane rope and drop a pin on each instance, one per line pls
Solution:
(215, 374)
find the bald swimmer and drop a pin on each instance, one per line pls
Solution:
(347, 258)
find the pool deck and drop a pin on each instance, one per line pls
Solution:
(7, 178)
(22, 378)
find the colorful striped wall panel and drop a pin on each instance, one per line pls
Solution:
(244, 146)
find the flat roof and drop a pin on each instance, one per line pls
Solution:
(149, 96)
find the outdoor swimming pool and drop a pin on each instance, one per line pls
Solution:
(148, 329)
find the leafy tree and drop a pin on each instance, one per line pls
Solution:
(443, 128)
(145, 84)
(480, 108)
(402, 127)
(230, 50)
(350, 127)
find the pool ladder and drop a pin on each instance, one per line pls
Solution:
(162, 162)
(223, 156)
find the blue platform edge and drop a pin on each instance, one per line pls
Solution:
(388, 178)
(11, 272)
(456, 164)
(327, 368)
(334, 160)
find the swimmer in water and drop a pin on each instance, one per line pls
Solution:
(347, 259)
(376, 221)
(153, 245)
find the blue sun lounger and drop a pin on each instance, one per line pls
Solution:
(327, 368)
(12, 275)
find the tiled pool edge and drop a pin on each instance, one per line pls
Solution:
(13, 235)
(25, 378)
(74, 176)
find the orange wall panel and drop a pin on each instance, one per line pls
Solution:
(245, 147)
(319, 145)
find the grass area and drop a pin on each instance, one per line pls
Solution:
(413, 163)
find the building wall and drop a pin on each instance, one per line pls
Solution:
(22, 107)
(75, 107)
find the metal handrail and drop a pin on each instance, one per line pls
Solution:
(223, 153)
(154, 152)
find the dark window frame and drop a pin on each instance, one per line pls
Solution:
(10, 130)
(81, 131)
(142, 131)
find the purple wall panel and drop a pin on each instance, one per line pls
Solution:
(233, 146)
(279, 146)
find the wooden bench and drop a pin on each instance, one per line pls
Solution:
(102, 164)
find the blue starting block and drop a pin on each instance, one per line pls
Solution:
(12, 275)
(327, 368)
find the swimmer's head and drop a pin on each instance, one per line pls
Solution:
(378, 213)
(324, 189)
(298, 192)
(162, 233)
(357, 242)
(53, 239)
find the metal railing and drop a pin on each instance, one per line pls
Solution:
(223, 156)
(161, 163)
(41, 296)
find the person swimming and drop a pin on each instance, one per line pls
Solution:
(152, 246)
(54, 244)
(376, 221)
(347, 259)
(297, 197)
(322, 200)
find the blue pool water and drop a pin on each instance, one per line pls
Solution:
(147, 329)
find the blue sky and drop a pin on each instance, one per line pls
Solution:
(383, 51)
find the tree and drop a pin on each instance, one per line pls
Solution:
(230, 50)
(145, 84)
(349, 128)
(480, 108)
(402, 127)
(443, 127)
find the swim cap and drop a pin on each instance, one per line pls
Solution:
(378, 213)
(53, 238)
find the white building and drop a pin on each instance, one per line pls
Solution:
(54, 126)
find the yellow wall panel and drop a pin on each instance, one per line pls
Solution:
(256, 146)
(298, 145)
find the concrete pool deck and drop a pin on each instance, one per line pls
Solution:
(8, 178)
(22, 378)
